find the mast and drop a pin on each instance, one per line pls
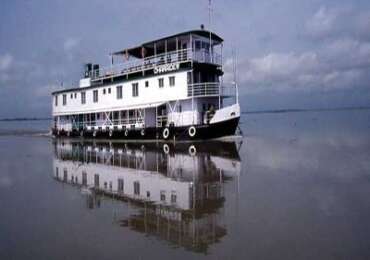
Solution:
(209, 26)
(235, 78)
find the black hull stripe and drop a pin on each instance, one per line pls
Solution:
(202, 132)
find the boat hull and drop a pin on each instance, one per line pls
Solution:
(202, 132)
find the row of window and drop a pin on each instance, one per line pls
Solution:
(120, 186)
(119, 95)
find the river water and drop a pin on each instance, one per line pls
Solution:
(296, 186)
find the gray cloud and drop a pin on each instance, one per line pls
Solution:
(339, 58)
(5, 61)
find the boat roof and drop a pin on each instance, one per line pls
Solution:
(136, 51)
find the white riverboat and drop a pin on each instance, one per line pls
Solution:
(163, 89)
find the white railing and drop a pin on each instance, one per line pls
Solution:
(210, 89)
(204, 56)
(151, 62)
(90, 125)
(203, 89)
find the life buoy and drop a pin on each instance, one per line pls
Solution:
(192, 150)
(142, 132)
(126, 132)
(68, 133)
(166, 148)
(81, 133)
(166, 133)
(192, 131)
(94, 134)
(110, 133)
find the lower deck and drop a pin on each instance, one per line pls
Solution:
(192, 132)
(174, 113)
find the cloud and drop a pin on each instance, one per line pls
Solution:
(46, 90)
(70, 44)
(5, 182)
(326, 24)
(278, 67)
(6, 61)
(340, 60)
(322, 22)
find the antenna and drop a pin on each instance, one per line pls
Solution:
(209, 13)
(209, 25)
(235, 76)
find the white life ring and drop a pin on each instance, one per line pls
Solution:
(192, 150)
(126, 132)
(68, 133)
(166, 148)
(166, 133)
(142, 132)
(94, 133)
(81, 133)
(110, 133)
(192, 131)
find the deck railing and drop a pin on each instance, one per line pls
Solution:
(203, 89)
(210, 89)
(148, 63)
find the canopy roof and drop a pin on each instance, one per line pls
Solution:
(171, 41)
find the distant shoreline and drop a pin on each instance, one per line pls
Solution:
(293, 110)
(24, 119)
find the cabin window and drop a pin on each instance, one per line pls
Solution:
(119, 92)
(197, 45)
(71, 96)
(180, 108)
(75, 95)
(56, 100)
(146, 84)
(109, 91)
(135, 89)
(163, 195)
(189, 77)
(104, 91)
(120, 185)
(173, 197)
(172, 81)
(205, 45)
(84, 178)
(96, 180)
(148, 194)
(83, 97)
(137, 188)
(65, 174)
(95, 96)
(64, 99)
(161, 82)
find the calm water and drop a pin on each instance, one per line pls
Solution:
(297, 186)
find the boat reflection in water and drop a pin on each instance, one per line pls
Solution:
(175, 192)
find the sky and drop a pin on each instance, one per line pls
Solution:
(290, 54)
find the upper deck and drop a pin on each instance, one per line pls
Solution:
(162, 55)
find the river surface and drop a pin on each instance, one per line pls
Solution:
(296, 186)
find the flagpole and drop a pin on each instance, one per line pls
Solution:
(210, 33)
